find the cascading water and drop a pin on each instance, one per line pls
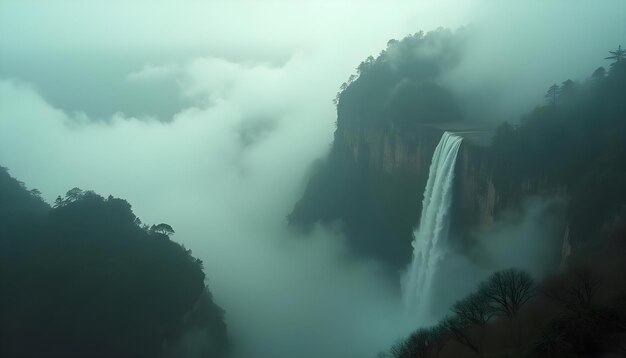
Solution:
(430, 239)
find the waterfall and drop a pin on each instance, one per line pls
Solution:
(430, 239)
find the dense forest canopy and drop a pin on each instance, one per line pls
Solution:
(577, 139)
(86, 279)
(402, 84)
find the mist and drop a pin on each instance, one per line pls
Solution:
(208, 116)
(519, 49)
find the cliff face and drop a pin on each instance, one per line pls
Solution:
(483, 192)
(479, 195)
(374, 179)
(372, 185)
(392, 151)
(475, 193)
(389, 151)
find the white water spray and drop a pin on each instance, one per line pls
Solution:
(430, 242)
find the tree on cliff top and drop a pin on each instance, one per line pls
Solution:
(162, 228)
(553, 94)
(617, 55)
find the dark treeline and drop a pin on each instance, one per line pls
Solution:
(86, 279)
(578, 140)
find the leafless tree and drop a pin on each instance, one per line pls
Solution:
(552, 343)
(398, 350)
(575, 292)
(458, 329)
(438, 338)
(415, 346)
(473, 310)
(507, 291)
(420, 344)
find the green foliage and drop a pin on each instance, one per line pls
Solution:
(401, 85)
(579, 142)
(162, 228)
(422, 101)
(85, 280)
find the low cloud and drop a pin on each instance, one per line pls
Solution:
(153, 73)
(225, 180)
(520, 48)
(527, 238)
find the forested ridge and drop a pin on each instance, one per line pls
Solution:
(403, 84)
(577, 139)
(86, 278)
